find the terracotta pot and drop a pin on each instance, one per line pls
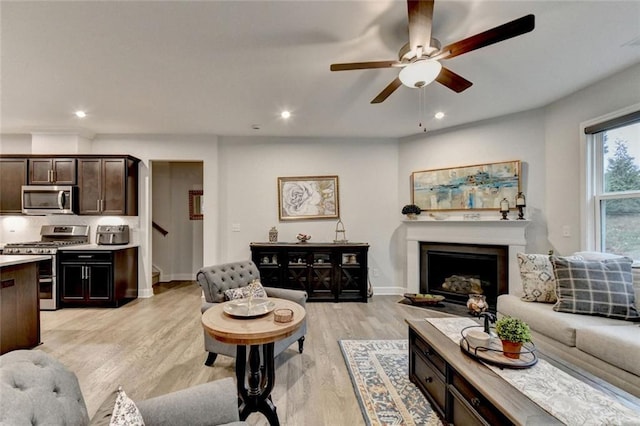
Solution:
(511, 349)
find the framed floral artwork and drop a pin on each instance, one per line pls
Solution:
(478, 187)
(308, 197)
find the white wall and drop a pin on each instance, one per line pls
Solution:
(15, 144)
(165, 148)
(562, 145)
(513, 137)
(240, 179)
(366, 169)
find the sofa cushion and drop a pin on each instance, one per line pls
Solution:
(543, 319)
(603, 288)
(538, 278)
(619, 346)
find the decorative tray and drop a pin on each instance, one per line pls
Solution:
(248, 308)
(424, 299)
(493, 353)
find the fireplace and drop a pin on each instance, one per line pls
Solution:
(457, 270)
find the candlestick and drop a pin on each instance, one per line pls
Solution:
(504, 208)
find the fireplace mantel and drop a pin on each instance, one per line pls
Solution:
(509, 233)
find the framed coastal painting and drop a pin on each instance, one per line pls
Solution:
(308, 197)
(478, 187)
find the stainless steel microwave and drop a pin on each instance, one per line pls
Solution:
(49, 199)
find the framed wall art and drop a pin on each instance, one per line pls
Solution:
(195, 205)
(479, 187)
(308, 197)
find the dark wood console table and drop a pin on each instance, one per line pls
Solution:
(328, 272)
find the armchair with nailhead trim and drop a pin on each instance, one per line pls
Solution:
(215, 280)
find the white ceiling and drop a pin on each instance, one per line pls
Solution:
(219, 67)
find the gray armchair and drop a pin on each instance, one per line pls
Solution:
(36, 388)
(215, 280)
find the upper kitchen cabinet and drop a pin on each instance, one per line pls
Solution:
(13, 174)
(52, 171)
(108, 185)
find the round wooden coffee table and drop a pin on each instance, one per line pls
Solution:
(254, 332)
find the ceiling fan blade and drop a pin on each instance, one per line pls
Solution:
(364, 65)
(420, 19)
(453, 81)
(387, 91)
(503, 32)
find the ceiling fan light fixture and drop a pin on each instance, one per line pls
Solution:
(420, 73)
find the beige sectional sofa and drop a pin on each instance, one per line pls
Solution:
(608, 348)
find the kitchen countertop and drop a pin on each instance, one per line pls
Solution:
(17, 259)
(96, 247)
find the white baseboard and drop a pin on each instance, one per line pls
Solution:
(389, 291)
(145, 293)
(177, 277)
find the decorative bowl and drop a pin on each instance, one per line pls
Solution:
(424, 299)
(477, 338)
(303, 238)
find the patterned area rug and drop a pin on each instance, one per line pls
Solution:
(380, 377)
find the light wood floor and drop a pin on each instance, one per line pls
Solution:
(154, 346)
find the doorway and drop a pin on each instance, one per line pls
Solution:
(177, 234)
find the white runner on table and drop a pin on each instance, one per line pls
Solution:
(570, 400)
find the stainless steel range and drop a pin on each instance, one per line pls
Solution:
(52, 238)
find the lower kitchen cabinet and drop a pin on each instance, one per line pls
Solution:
(97, 277)
(328, 272)
(19, 313)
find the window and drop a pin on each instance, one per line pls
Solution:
(614, 183)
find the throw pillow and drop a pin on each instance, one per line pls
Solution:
(538, 278)
(125, 412)
(112, 409)
(254, 289)
(603, 288)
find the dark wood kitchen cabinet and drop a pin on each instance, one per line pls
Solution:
(328, 272)
(106, 278)
(52, 171)
(13, 174)
(19, 307)
(108, 186)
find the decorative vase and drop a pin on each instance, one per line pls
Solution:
(477, 304)
(273, 235)
(511, 349)
(412, 216)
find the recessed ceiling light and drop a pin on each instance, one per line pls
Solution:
(81, 114)
(285, 114)
(439, 115)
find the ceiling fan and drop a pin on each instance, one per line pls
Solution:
(420, 57)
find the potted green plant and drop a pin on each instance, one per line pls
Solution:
(513, 332)
(411, 210)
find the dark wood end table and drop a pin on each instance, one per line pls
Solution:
(255, 385)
